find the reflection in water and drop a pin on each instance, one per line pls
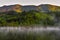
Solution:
(22, 33)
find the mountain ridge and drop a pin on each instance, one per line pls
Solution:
(20, 8)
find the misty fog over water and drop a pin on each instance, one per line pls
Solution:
(28, 29)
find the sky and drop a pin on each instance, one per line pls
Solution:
(29, 2)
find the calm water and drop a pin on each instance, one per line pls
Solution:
(35, 33)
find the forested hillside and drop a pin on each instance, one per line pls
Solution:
(30, 18)
(30, 15)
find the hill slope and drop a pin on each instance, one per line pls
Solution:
(20, 8)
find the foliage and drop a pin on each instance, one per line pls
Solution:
(13, 18)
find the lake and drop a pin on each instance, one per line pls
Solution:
(29, 33)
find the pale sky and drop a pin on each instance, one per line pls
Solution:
(29, 2)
